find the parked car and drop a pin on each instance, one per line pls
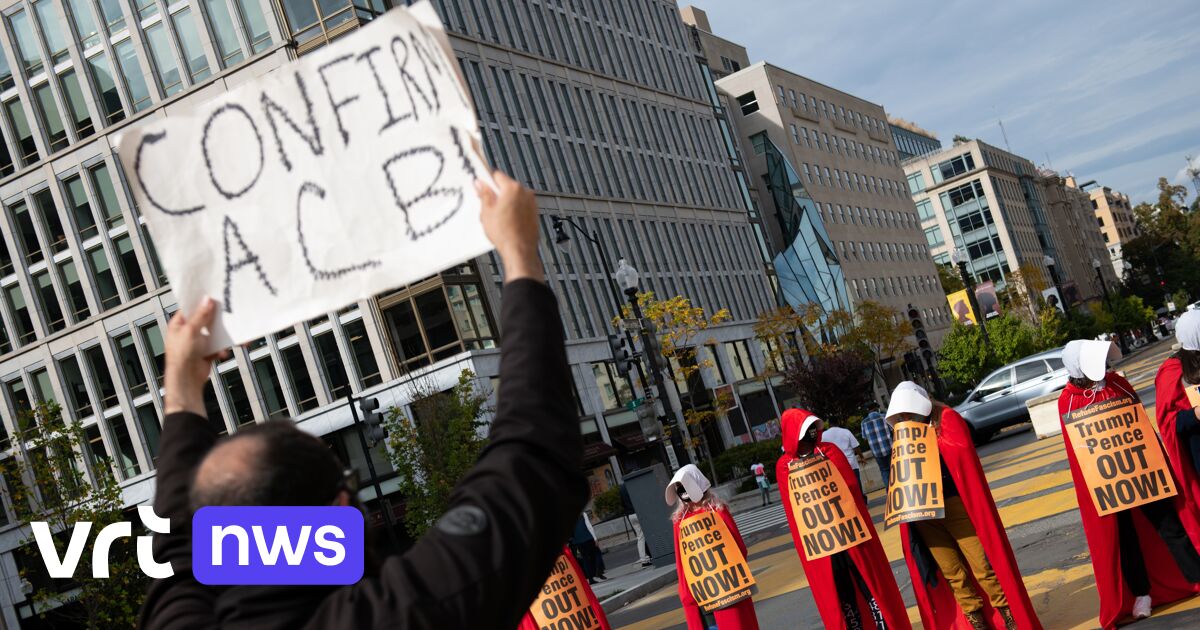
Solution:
(999, 399)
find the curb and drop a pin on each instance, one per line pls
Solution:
(626, 597)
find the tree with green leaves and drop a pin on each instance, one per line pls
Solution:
(1163, 258)
(950, 278)
(432, 450)
(964, 357)
(47, 482)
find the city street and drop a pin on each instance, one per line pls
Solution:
(1032, 487)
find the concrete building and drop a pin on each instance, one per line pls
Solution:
(1079, 246)
(911, 140)
(723, 56)
(606, 110)
(1115, 218)
(1006, 216)
(839, 151)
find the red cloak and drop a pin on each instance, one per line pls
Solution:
(739, 616)
(939, 610)
(528, 623)
(1167, 584)
(1169, 399)
(868, 557)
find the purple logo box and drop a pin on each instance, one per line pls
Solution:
(243, 545)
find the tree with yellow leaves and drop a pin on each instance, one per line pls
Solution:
(678, 325)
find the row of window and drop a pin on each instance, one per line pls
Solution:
(874, 217)
(637, 41)
(835, 144)
(832, 112)
(881, 252)
(99, 33)
(618, 147)
(900, 287)
(909, 144)
(66, 289)
(850, 181)
(1006, 162)
(712, 264)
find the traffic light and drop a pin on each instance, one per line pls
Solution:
(622, 357)
(373, 421)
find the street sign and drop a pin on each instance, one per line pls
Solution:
(631, 324)
(635, 403)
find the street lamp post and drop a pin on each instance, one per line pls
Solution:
(627, 276)
(1108, 302)
(1062, 300)
(960, 260)
(563, 241)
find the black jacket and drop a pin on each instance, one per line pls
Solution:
(527, 483)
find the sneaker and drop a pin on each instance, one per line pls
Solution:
(1141, 607)
(647, 564)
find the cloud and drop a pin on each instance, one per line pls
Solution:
(1107, 89)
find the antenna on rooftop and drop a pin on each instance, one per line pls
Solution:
(1005, 134)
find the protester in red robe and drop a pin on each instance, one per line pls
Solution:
(849, 583)
(529, 623)
(693, 493)
(1125, 544)
(1176, 414)
(949, 593)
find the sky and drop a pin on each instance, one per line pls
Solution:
(1102, 89)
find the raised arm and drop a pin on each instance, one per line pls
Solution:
(180, 601)
(482, 563)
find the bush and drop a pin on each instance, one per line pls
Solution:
(735, 462)
(607, 505)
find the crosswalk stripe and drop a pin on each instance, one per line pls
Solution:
(760, 519)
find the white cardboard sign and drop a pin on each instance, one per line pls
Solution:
(337, 176)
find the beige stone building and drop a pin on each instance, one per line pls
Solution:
(1115, 218)
(1005, 215)
(1081, 253)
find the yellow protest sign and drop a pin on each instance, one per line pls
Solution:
(1119, 454)
(562, 602)
(823, 507)
(714, 568)
(915, 492)
(1193, 394)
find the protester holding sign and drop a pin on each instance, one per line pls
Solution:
(812, 475)
(482, 562)
(1177, 395)
(565, 601)
(948, 591)
(1126, 533)
(715, 582)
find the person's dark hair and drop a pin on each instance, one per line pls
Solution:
(1082, 382)
(1190, 360)
(872, 406)
(291, 467)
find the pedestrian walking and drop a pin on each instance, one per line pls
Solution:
(861, 573)
(1128, 546)
(691, 493)
(631, 514)
(844, 439)
(764, 485)
(479, 566)
(952, 558)
(583, 544)
(555, 602)
(878, 435)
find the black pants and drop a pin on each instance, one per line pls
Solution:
(846, 579)
(1162, 516)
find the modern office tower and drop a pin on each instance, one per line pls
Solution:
(1003, 213)
(604, 108)
(911, 140)
(1115, 219)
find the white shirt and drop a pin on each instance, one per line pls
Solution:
(843, 439)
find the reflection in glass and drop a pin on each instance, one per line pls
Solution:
(139, 93)
(189, 40)
(169, 78)
(110, 98)
(222, 28)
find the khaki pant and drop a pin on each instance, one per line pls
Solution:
(950, 540)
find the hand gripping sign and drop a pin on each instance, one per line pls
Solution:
(823, 507)
(563, 603)
(714, 568)
(915, 492)
(1119, 454)
(328, 180)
